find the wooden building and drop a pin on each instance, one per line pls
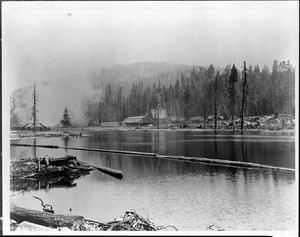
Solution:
(211, 118)
(137, 121)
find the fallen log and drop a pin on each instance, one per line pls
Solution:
(132, 153)
(212, 161)
(20, 214)
(112, 172)
(130, 222)
(220, 162)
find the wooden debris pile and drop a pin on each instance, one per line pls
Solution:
(131, 221)
(25, 173)
(22, 167)
(28, 168)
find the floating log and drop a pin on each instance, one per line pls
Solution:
(112, 172)
(134, 153)
(238, 164)
(20, 214)
(221, 162)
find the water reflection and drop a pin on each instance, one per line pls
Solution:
(28, 184)
(34, 148)
(189, 195)
(34, 184)
(243, 152)
(216, 148)
(66, 143)
(208, 193)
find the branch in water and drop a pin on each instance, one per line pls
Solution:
(45, 206)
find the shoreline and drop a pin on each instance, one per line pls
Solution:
(143, 129)
(87, 131)
(25, 219)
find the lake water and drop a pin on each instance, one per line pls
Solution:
(190, 196)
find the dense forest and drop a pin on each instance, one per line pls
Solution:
(192, 92)
(182, 90)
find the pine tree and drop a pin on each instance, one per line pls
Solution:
(66, 121)
(187, 102)
(146, 100)
(233, 78)
(211, 72)
(275, 87)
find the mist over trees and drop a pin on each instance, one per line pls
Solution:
(180, 89)
(192, 94)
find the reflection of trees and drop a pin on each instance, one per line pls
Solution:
(279, 176)
(243, 152)
(232, 150)
(179, 143)
(156, 142)
(66, 142)
(272, 177)
(119, 141)
(34, 148)
(153, 167)
(216, 148)
(186, 149)
(120, 148)
(142, 167)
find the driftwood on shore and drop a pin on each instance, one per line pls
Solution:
(131, 221)
(20, 214)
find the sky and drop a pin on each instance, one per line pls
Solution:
(46, 40)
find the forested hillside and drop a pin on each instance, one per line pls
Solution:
(82, 92)
(191, 94)
(182, 90)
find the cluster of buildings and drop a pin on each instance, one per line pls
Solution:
(160, 118)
